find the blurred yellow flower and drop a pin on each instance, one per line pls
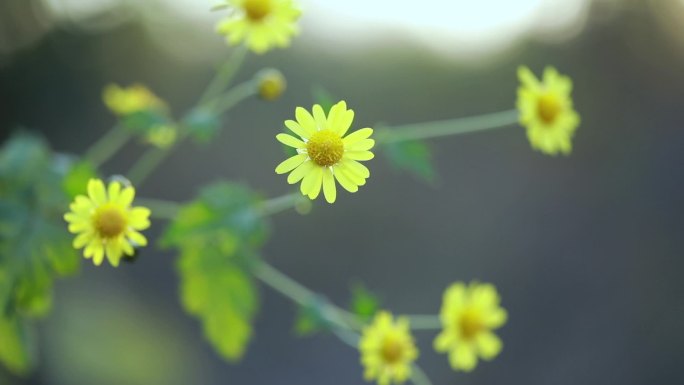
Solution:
(135, 98)
(546, 110)
(261, 24)
(324, 154)
(162, 136)
(105, 222)
(468, 315)
(272, 84)
(387, 350)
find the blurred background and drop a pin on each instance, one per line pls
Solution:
(585, 250)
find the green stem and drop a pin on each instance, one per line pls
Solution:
(235, 95)
(224, 75)
(280, 204)
(147, 163)
(160, 208)
(448, 127)
(425, 322)
(107, 145)
(418, 376)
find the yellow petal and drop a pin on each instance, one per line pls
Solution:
(136, 238)
(96, 191)
(113, 191)
(329, 186)
(463, 357)
(297, 129)
(126, 197)
(300, 172)
(290, 140)
(359, 155)
(305, 120)
(356, 136)
(488, 345)
(319, 117)
(290, 163)
(346, 182)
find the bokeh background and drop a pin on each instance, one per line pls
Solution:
(586, 250)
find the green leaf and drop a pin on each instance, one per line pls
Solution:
(363, 303)
(310, 319)
(323, 97)
(144, 121)
(218, 236)
(413, 156)
(76, 179)
(202, 125)
(16, 347)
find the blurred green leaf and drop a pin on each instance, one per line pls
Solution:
(363, 302)
(202, 125)
(414, 157)
(218, 236)
(15, 346)
(310, 319)
(77, 177)
(144, 121)
(323, 97)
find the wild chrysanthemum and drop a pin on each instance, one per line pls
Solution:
(324, 154)
(468, 315)
(387, 350)
(106, 223)
(546, 110)
(262, 24)
(135, 98)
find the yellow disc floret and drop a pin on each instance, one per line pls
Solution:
(546, 110)
(324, 153)
(325, 148)
(105, 222)
(257, 9)
(387, 349)
(469, 315)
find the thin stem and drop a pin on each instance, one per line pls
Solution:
(147, 163)
(425, 322)
(235, 95)
(224, 75)
(279, 204)
(448, 127)
(107, 145)
(160, 208)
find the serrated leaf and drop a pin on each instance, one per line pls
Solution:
(363, 303)
(218, 236)
(413, 156)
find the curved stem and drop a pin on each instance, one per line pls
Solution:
(224, 75)
(235, 95)
(447, 127)
(160, 208)
(418, 376)
(107, 145)
(280, 204)
(425, 322)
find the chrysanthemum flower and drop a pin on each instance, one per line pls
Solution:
(546, 110)
(106, 223)
(468, 315)
(324, 154)
(261, 24)
(128, 100)
(387, 350)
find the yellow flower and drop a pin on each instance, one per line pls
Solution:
(546, 110)
(262, 24)
(387, 350)
(324, 154)
(272, 84)
(105, 222)
(468, 315)
(162, 136)
(126, 101)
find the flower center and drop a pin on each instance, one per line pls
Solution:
(548, 107)
(391, 350)
(325, 148)
(470, 324)
(257, 9)
(109, 221)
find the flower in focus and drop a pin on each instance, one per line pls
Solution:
(106, 223)
(468, 315)
(271, 85)
(546, 110)
(135, 98)
(324, 153)
(162, 136)
(387, 350)
(261, 24)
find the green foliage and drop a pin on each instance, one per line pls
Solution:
(15, 350)
(34, 244)
(144, 121)
(218, 236)
(202, 125)
(310, 319)
(364, 304)
(323, 97)
(414, 157)
(76, 179)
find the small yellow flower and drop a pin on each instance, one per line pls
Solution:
(105, 222)
(468, 315)
(162, 136)
(387, 350)
(126, 101)
(262, 24)
(546, 110)
(272, 84)
(324, 154)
